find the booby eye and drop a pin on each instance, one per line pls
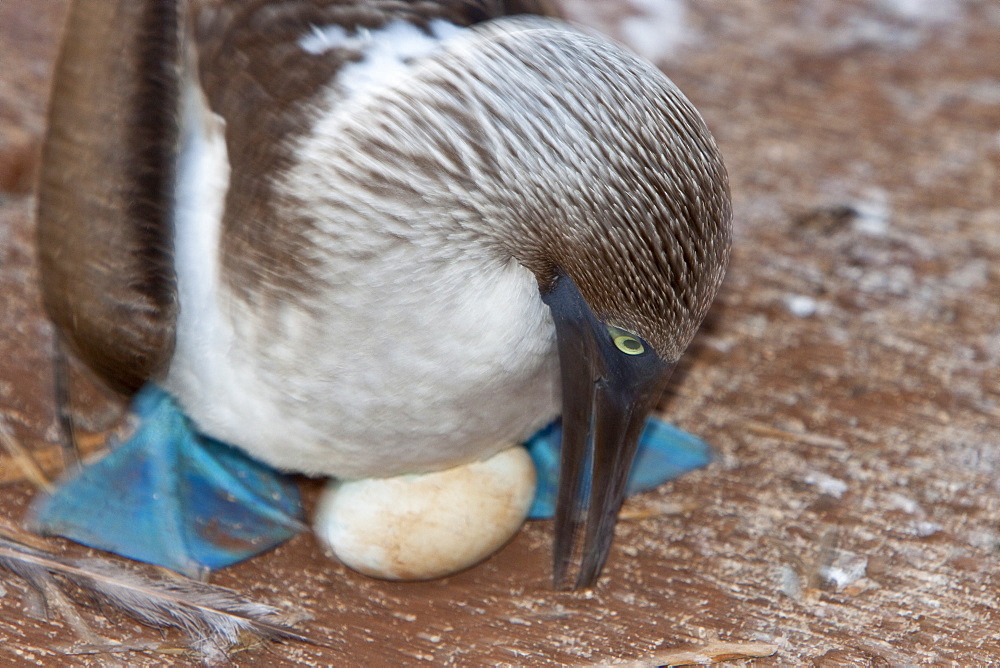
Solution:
(625, 342)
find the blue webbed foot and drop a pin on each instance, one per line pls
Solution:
(173, 497)
(665, 452)
(176, 498)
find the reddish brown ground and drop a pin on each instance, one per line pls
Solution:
(853, 514)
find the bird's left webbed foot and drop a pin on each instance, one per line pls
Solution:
(173, 497)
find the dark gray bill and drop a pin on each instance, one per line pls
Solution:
(606, 397)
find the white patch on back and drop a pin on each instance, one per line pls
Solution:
(321, 40)
(387, 51)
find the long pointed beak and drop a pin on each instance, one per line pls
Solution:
(607, 396)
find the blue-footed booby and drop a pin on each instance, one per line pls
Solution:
(362, 239)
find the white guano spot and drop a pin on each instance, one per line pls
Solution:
(873, 214)
(801, 306)
(658, 29)
(826, 484)
(845, 569)
(924, 11)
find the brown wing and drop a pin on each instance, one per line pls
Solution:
(105, 188)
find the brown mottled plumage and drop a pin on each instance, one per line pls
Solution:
(111, 143)
(248, 57)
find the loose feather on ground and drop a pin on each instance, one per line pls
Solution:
(215, 619)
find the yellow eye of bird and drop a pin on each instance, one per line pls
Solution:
(628, 344)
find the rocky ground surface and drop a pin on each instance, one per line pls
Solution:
(848, 377)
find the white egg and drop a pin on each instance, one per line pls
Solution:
(425, 526)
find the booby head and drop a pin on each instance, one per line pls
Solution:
(587, 166)
(629, 274)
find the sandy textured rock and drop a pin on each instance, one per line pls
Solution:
(848, 377)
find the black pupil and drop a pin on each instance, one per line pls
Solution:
(631, 344)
